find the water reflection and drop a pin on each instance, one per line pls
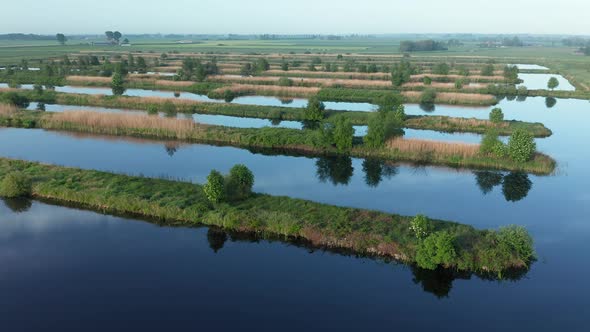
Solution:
(171, 148)
(438, 282)
(336, 169)
(376, 169)
(515, 185)
(216, 238)
(550, 102)
(18, 205)
(428, 108)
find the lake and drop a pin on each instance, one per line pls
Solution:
(58, 259)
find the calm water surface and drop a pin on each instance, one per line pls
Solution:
(60, 260)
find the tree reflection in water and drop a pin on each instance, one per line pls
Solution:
(375, 170)
(515, 185)
(438, 282)
(18, 205)
(336, 169)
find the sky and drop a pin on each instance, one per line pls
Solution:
(297, 17)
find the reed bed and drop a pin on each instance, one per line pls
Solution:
(7, 109)
(339, 74)
(245, 89)
(89, 79)
(425, 147)
(454, 98)
(419, 77)
(121, 123)
(167, 69)
(440, 85)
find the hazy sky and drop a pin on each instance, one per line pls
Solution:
(300, 16)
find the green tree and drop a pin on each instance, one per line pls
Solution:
(61, 38)
(117, 84)
(420, 225)
(427, 80)
(518, 240)
(491, 145)
(441, 69)
(459, 84)
(428, 97)
(383, 125)
(247, 70)
(117, 36)
(285, 66)
(262, 65)
(401, 73)
(141, 65)
(496, 115)
(239, 182)
(511, 73)
(438, 249)
(152, 110)
(169, 108)
(15, 184)
(285, 81)
(343, 134)
(389, 102)
(488, 70)
(214, 188)
(314, 110)
(521, 146)
(552, 83)
(110, 35)
(15, 99)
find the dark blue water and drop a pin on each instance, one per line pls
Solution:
(62, 260)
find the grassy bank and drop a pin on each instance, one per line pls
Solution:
(439, 123)
(305, 141)
(362, 231)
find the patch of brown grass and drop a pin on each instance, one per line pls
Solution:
(88, 79)
(7, 109)
(421, 146)
(455, 97)
(96, 121)
(291, 91)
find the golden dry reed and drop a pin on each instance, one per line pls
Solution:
(442, 149)
(454, 97)
(182, 128)
(278, 90)
(7, 109)
(88, 79)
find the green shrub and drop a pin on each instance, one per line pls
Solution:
(437, 249)
(169, 108)
(428, 97)
(420, 225)
(427, 80)
(214, 188)
(521, 146)
(117, 84)
(15, 184)
(518, 240)
(152, 110)
(496, 115)
(284, 81)
(343, 134)
(239, 183)
(314, 110)
(228, 95)
(492, 145)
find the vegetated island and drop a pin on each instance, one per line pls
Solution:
(228, 202)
